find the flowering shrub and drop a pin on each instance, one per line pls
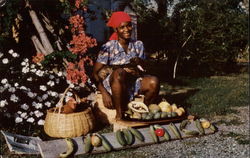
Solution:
(29, 87)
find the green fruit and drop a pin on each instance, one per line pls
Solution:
(199, 127)
(164, 115)
(105, 143)
(87, 144)
(157, 115)
(174, 129)
(153, 135)
(120, 138)
(174, 114)
(128, 136)
(149, 116)
(213, 127)
(184, 124)
(190, 132)
(169, 114)
(143, 116)
(136, 133)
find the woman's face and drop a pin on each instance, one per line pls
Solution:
(124, 30)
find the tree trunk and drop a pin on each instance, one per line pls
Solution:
(44, 39)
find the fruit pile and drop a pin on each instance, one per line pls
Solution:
(163, 110)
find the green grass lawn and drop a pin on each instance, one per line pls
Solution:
(211, 96)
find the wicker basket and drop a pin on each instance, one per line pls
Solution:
(61, 125)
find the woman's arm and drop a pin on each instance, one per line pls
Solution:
(107, 100)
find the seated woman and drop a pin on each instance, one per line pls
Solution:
(123, 83)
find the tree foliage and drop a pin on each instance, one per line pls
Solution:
(218, 31)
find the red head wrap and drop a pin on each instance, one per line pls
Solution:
(115, 20)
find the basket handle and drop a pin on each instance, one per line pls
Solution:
(61, 100)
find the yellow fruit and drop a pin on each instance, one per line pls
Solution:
(165, 106)
(96, 141)
(154, 107)
(174, 107)
(179, 112)
(166, 109)
(205, 124)
(182, 109)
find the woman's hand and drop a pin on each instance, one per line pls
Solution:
(107, 100)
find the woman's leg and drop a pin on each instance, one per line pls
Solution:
(119, 91)
(150, 87)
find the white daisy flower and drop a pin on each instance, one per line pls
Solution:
(4, 81)
(19, 112)
(40, 122)
(26, 60)
(11, 51)
(5, 61)
(23, 63)
(15, 55)
(39, 99)
(23, 88)
(45, 96)
(33, 70)
(1, 54)
(31, 95)
(31, 113)
(51, 77)
(31, 120)
(18, 120)
(29, 79)
(7, 85)
(14, 98)
(51, 83)
(16, 84)
(25, 106)
(43, 87)
(59, 73)
(48, 104)
(38, 113)
(3, 103)
(25, 70)
(24, 115)
(12, 89)
(39, 73)
(32, 66)
(39, 106)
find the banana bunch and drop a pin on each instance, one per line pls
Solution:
(127, 136)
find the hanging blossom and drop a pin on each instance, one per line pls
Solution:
(80, 41)
(76, 72)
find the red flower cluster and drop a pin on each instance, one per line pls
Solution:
(78, 3)
(81, 43)
(39, 57)
(76, 72)
(76, 22)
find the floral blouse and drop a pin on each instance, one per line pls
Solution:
(112, 53)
